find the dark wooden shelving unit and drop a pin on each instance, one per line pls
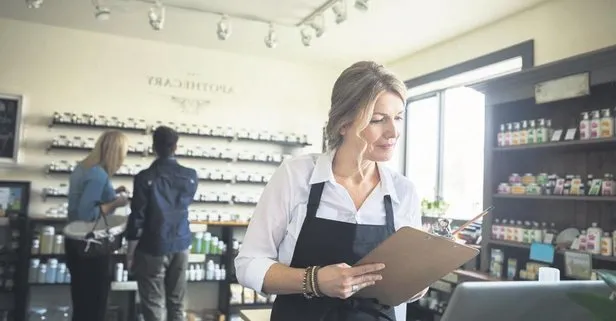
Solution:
(511, 99)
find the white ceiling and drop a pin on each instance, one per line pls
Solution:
(390, 29)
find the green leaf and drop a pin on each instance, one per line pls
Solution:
(608, 277)
(602, 308)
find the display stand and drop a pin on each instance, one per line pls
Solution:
(547, 92)
(14, 250)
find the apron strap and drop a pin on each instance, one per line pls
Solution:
(316, 190)
(389, 214)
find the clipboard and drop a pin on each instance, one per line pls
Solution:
(413, 260)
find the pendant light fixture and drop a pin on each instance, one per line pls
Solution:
(34, 4)
(306, 34)
(361, 5)
(223, 28)
(271, 40)
(157, 16)
(340, 11)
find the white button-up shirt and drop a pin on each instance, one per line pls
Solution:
(279, 215)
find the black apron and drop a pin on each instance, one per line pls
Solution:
(324, 242)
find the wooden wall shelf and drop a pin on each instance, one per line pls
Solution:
(559, 252)
(557, 197)
(574, 145)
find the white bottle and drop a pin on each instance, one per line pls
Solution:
(199, 273)
(119, 270)
(191, 273)
(607, 248)
(593, 239)
(209, 270)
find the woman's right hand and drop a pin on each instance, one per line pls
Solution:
(338, 280)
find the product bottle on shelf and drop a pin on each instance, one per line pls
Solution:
(595, 124)
(508, 134)
(606, 245)
(537, 233)
(495, 228)
(532, 132)
(593, 239)
(541, 132)
(500, 138)
(549, 131)
(518, 230)
(607, 124)
(523, 135)
(585, 126)
(515, 135)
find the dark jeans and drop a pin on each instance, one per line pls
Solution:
(162, 285)
(90, 283)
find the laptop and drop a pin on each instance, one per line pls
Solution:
(520, 301)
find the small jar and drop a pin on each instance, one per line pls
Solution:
(515, 179)
(528, 179)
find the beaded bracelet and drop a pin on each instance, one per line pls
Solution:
(306, 286)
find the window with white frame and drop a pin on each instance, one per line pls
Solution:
(444, 138)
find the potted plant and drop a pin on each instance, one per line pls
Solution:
(436, 208)
(602, 308)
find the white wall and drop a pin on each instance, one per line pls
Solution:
(63, 70)
(560, 28)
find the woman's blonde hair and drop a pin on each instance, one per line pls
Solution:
(354, 95)
(109, 152)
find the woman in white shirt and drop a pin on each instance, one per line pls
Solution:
(319, 214)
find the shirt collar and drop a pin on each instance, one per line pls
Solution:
(323, 173)
(323, 169)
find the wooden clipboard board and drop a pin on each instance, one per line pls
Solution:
(413, 260)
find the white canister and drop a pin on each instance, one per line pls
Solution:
(119, 272)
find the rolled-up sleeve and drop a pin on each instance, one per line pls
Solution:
(267, 228)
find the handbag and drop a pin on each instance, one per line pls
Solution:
(93, 240)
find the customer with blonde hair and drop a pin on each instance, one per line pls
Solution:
(90, 196)
(319, 214)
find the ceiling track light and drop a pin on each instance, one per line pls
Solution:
(318, 24)
(223, 28)
(271, 40)
(306, 34)
(340, 11)
(101, 13)
(157, 16)
(361, 5)
(34, 4)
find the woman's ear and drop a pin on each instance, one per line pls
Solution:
(343, 130)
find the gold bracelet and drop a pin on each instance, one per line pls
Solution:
(315, 281)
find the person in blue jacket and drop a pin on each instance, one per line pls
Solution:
(158, 230)
(91, 195)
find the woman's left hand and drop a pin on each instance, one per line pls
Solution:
(121, 189)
